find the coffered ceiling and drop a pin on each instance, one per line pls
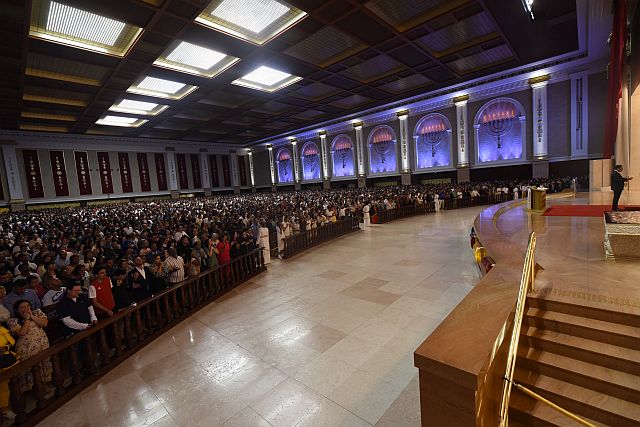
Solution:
(333, 57)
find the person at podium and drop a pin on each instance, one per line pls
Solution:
(617, 185)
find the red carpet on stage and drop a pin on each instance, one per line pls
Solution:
(579, 210)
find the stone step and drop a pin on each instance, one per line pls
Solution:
(621, 318)
(605, 380)
(598, 353)
(593, 329)
(582, 401)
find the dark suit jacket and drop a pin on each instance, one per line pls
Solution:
(617, 181)
(139, 286)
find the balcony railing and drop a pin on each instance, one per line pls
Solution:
(307, 239)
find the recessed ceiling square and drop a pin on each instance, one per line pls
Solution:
(256, 21)
(120, 121)
(57, 22)
(161, 88)
(138, 107)
(193, 59)
(266, 79)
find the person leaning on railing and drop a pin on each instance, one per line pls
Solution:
(74, 309)
(28, 326)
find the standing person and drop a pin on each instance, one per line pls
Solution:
(100, 293)
(365, 212)
(617, 185)
(224, 250)
(75, 311)
(139, 280)
(175, 266)
(28, 326)
(263, 242)
(212, 251)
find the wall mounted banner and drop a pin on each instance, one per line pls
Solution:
(104, 167)
(182, 171)
(242, 168)
(143, 172)
(161, 172)
(213, 169)
(125, 173)
(226, 171)
(195, 171)
(82, 171)
(59, 171)
(32, 169)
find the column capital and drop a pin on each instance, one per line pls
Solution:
(539, 81)
(460, 100)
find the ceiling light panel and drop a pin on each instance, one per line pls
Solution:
(57, 22)
(138, 107)
(193, 59)
(127, 122)
(266, 79)
(160, 88)
(257, 21)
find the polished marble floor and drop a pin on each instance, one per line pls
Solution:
(324, 339)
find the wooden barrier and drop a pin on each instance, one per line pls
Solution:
(389, 215)
(87, 355)
(307, 239)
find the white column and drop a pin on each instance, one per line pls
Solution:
(204, 170)
(233, 160)
(323, 151)
(296, 160)
(360, 148)
(13, 174)
(461, 143)
(253, 177)
(173, 171)
(539, 119)
(579, 114)
(523, 135)
(405, 163)
(271, 165)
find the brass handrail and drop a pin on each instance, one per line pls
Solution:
(526, 285)
(558, 408)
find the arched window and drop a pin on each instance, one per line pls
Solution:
(284, 162)
(342, 156)
(432, 137)
(310, 161)
(500, 131)
(382, 150)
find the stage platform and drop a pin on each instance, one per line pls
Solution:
(572, 253)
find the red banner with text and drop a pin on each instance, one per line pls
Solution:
(161, 172)
(242, 169)
(213, 170)
(143, 172)
(125, 173)
(195, 171)
(104, 167)
(226, 171)
(183, 181)
(59, 171)
(34, 177)
(82, 171)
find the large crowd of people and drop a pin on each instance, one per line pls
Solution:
(77, 265)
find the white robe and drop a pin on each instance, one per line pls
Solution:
(367, 218)
(263, 242)
(281, 237)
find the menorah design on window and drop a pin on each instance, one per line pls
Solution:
(382, 143)
(432, 133)
(311, 161)
(283, 159)
(342, 154)
(498, 120)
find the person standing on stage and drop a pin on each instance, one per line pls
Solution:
(617, 185)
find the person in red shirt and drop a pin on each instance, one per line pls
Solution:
(100, 293)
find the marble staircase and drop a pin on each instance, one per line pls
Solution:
(584, 359)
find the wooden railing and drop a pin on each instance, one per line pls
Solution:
(82, 358)
(302, 241)
(464, 202)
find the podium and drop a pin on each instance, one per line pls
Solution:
(537, 199)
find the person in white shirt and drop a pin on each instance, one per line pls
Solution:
(365, 213)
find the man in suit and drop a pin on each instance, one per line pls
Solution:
(617, 185)
(140, 280)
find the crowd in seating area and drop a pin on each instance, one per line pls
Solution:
(77, 265)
